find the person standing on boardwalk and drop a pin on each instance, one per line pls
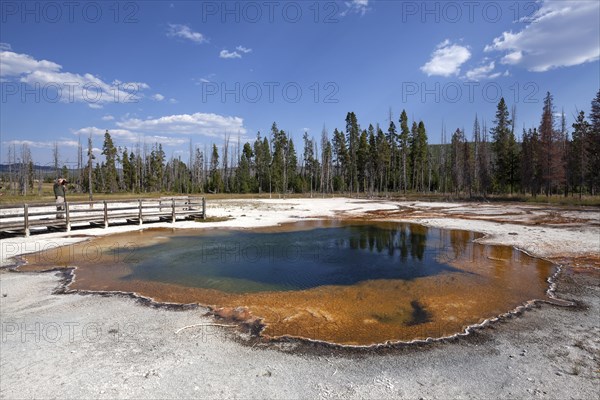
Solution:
(59, 195)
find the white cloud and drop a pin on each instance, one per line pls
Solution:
(446, 59)
(172, 130)
(166, 140)
(512, 58)
(14, 64)
(559, 34)
(239, 50)
(158, 97)
(173, 101)
(126, 137)
(185, 32)
(229, 54)
(204, 79)
(122, 134)
(483, 72)
(356, 6)
(138, 85)
(243, 49)
(5, 47)
(108, 118)
(73, 87)
(212, 125)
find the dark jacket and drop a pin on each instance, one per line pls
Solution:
(59, 190)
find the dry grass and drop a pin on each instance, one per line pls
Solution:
(46, 195)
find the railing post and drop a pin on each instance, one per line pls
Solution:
(173, 216)
(26, 219)
(140, 211)
(204, 208)
(105, 214)
(67, 217)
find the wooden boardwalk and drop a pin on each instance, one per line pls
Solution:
(25, 218)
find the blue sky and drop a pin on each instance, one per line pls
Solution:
(169, 72)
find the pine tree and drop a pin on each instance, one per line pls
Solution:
(127, 170)
(392, 138)
(403, 139)
(215, 184)
(526, 162)
(513, 162)
(413, 154)
(352, 136)
(483, 162)
(373, 158)
(476, 150)
(135, 161)
(308, 162)
(98, 180)
(259, 161)
(245, 183)
(549, 155)
(110, 152)
(383, 159)
(341, 160)
(154, 176)
(198, 171)
(467, 167)
(457, 161)
(443, 164)
(578, 160)
(291, 166)
(421, 155)
(30, 174)
(268, 164)
(363, 160)
(501, 147)
(593, 147)
(279, 170)
(326, 162)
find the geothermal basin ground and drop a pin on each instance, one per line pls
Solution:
(116, 346)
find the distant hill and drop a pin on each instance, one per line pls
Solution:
(4, 168)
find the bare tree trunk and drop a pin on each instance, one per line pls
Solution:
(79, 164)
(90, 158)
(10, 167)
(55, 156)
(225, 162)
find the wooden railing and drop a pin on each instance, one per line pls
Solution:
(23, 217)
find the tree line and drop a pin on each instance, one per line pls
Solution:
(547, 159)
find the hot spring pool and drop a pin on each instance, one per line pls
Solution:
(344, 282)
